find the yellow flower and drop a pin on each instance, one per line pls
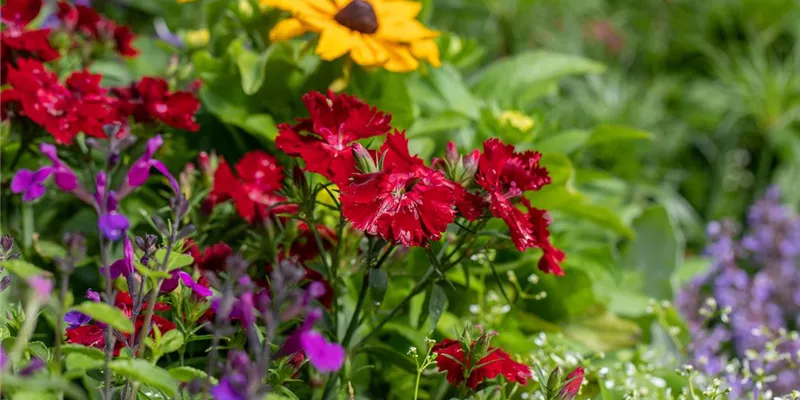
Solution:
(517, 119)
(198, 38)
(376, 33)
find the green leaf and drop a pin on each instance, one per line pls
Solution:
(14, 382)
(604, 332)
(378, 282)
(251, 65)
(105, 313)
(436, 305)
(656, 252)
(444, 90)
(24, 269)
(171, 341)
(50, 250)
(186, 374)
(87, 351)
(263, 126)
(146, 373)
(565, 142)
(519, 80)
(391, 355)
(179, 260)
(608, 133)
(567, 200)
(81, 362)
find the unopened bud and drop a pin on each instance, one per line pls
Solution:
(7, 243)
(204, 163)
(364, 161)
(245, 9)
(554, 382)
(452, 153)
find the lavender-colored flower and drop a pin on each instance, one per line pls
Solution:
(224, 390)
(240, 381)
(123, 266)
(30, 183)
(323, 355)
(163, 33)
(113, 225)
(63, 176)
(35, 365)
(42, 287)
(140, 170)
(197, 288)
(757, 279)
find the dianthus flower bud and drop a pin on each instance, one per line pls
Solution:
(364, 161)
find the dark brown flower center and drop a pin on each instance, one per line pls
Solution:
(358, 16)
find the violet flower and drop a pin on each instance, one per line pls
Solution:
(123, 266)
(3, 358)
(76, 318)
(113, 225)
(30, 183)
(172, 282)
(64, 177)
(34, 366)
(325, 356)
(42, 287)
(140, 170)
(163, 33)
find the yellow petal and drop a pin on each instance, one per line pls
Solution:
(397, 9)
(368, 52)
(323, 6)
(286, 5)
(400, 59)
(286, 29)
(340, 4)
(403, 31)
(426, 50)
(334, 42)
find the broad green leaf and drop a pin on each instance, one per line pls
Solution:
(521, 79)
(38, 349)
(146, 373)
(171, 341)
(656, 252)
(608, 133)
(81, 362)
(263, 126)
(14, 382)
(565, 142)
(24, 269)
(179, 260)
(567, 200)
(378, 282)
(444, 90)
(187, 374)
(436, 305)
(251, 65)
(87, 351)
(33, 395)
(105, 313)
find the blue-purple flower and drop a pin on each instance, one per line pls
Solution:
(124, 266)
(30, 183)
(325, 356)
(63, 176)
(113, 225)
(76, 318)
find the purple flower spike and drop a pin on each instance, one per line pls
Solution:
(140, 170)
(323, 355)
(113, 225)
(123, 266)
(29, 183)
(64, 177)
(197, 288)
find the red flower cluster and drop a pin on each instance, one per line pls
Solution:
(92, 26)
(82, 105)
(452, 358)
(404, 202)
(324, 139)
(254, 191)
(18, 41)
(150, 100)
(93, 334)
(212, 258)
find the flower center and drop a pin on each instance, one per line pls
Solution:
(358, 16)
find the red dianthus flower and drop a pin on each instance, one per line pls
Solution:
(405, 202)
(323, 140)
(451, 357)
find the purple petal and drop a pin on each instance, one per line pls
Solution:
(41, 174)
(50, 151)
(3, 358)
(224, 391)
(139, 173)
(127, 252)
(311, 318)
(152, 146)
(113, 225)
(75, 319)
(35, 191)
(92, 295)
(22, 180)
(113, 201)
(323, 355)
(197, 288)
(65, 179)
(163, 33)
(116, 269)
(170, 283)
(42, 287)
(33, 367)
(164, 171)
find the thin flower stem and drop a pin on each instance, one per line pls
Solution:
(109, 334)
(351, 328)
(151, 305)
(62, 295)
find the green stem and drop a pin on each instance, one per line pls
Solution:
(24, 335)
(416, 384)
(351, 328)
